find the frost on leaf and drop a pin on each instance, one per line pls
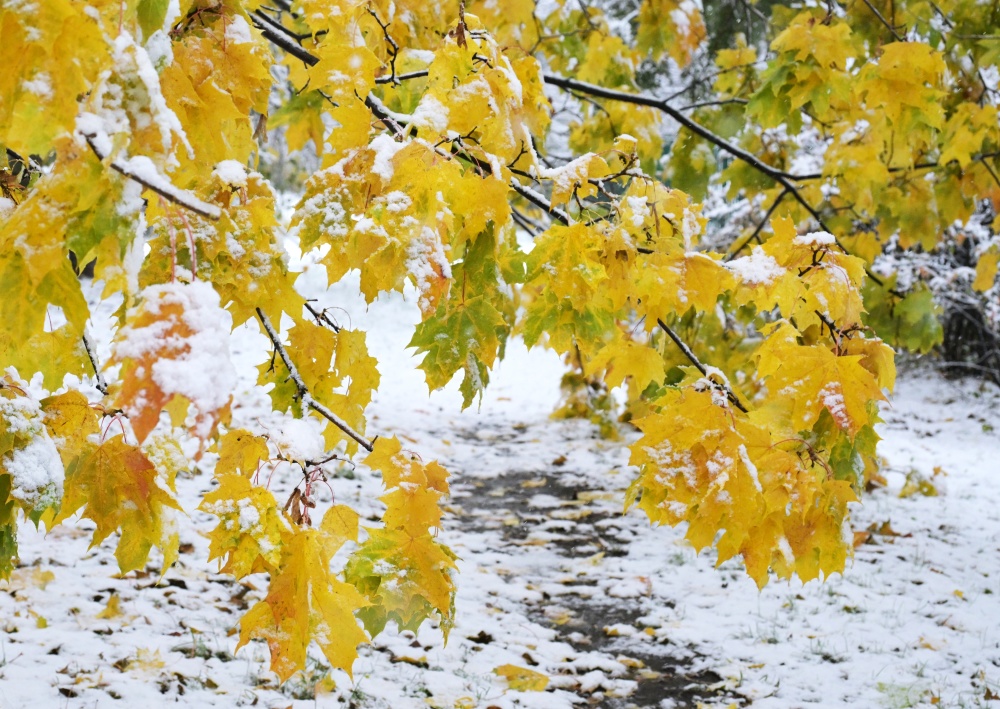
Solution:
(716, 470)
(249, 533)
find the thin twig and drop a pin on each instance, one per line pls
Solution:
(756, 232)
(393, 46)
(697, 363)
(303, 391)
(719, 102)
(283, 42)
(420, 73)
(774, 173)
(88, 344)
(167, 190)
(892, 30)
(322, 317)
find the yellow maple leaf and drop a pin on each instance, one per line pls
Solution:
(986, 270)
(250, 531)
(521, 679)
(626, 358)
(240, 450)
(120, 489)
(305, 601)
(806, 381)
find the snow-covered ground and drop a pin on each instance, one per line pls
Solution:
(553, 577)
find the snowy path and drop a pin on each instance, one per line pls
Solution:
(554, 579)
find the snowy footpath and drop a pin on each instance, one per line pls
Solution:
(553, 578)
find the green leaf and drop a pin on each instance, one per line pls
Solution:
(151, 14)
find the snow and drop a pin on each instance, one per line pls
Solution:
(199, 368)
(572, 173)
(553, 577)
(427, 262)
(816, 238)
(431, 114)
(143, 66)
(41, 85)
(36, 473)
(35, 469)
(231, 172)
(385, 148)
(238, 31)
(295, 439)
(759, 268)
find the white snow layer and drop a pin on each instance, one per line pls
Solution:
(759, 268)
(202, 371)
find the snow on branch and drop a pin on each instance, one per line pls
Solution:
(142, 170)
(730, 394)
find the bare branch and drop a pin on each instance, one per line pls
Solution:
(640, 100)
(892, 30)
(275, 33)
(719, 102)
(161, 186)
(420, 73)
(756, 232)
(303, 391)
(88, 344)
(730, 394)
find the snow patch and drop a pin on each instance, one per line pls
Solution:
(757, 269)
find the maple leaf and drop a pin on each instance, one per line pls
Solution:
(521, 679)
(809, 380)
(670, 26)
(665, 285)
(70, 418)
(250, 530)
(174, 344)
(986, 270)
(401, 568)
(700, 464)
(626, 358)
(241, 451)
(305, 601)
(121, 490)
(468, 331)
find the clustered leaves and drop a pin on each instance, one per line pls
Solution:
(136, 138)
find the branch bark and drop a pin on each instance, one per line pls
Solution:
(730, 394)
(162, 186)
(88, 344)
(303, 391)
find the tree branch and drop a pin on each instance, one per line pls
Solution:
(756, 232)
(303, 391)
(275, 33)
(892, 30)
(156, 183)
(774, 173)
(730, 394)
(88, 344)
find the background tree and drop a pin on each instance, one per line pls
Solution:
(528, 171)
